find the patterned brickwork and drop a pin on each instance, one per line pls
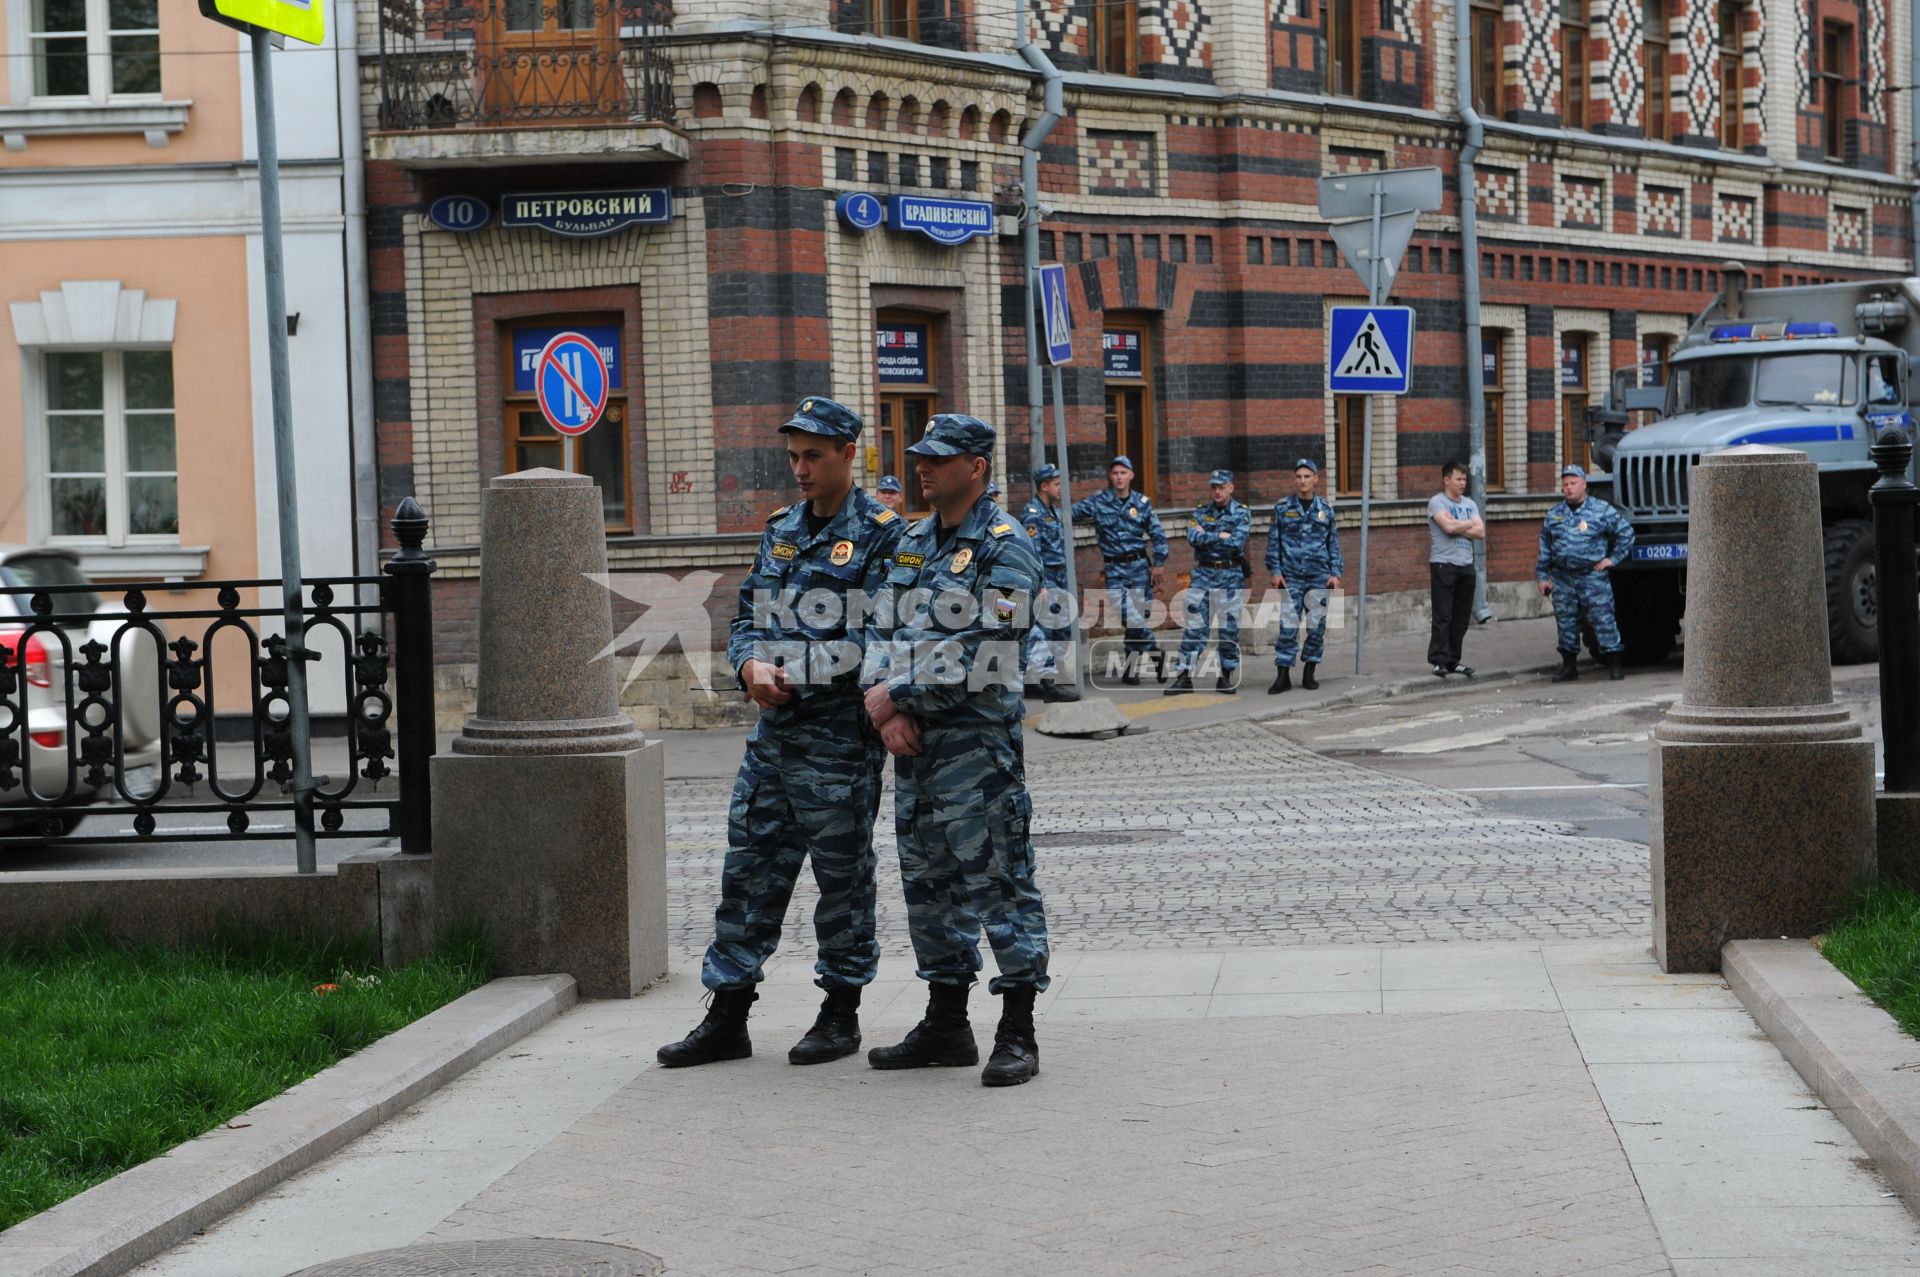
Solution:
(1120, 164)
(1619, 93)
(1663, 211)
(1533, 60)
(1848, 227)
(1697, 73)
(1581, 202)
(1296, 55)
(1176, 38)
(1499, 192)
(1733, 219)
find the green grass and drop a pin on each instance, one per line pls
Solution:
(111, 1054)
(1877, 945)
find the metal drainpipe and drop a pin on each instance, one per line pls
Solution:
(1470, 288)
(353, 202)
(1051, 109)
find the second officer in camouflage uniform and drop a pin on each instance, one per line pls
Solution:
(1046, 536)
(946, 698)
(1133, 555)
(1303, 558)
(1218, 534)
(1580, 539)
(809, 785)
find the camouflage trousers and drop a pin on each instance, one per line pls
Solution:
(1213, 589)
(789, 806)
(1045, 646)
(1130, 598)
(966, 863)
(1591, 592)
(1303, 609)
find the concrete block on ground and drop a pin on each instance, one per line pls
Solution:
(1754, 841)
(1089, 717)
(176, 907)
(403, 886)
(563, 857)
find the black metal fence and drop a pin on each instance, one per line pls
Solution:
(105, 713)
(451, 63)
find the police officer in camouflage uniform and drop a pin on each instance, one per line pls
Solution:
(1580, 539)
(1133, 552)
(945, 660)
(1218, 534)
(889, 493)
(809, 785)
(1303, 558)
(1046, 536)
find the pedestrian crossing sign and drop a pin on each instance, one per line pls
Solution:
(302, 19)
(1370, 350)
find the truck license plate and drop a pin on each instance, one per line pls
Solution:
(1657, 553)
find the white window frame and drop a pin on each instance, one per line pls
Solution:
(113, 413)
(99, 37)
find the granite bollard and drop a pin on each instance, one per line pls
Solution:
(550, 813)
(1760, 787)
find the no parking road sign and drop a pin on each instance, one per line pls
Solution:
(1370, 350)
(571, 381)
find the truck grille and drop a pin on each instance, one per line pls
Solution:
(1653, 485)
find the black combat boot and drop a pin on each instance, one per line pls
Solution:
(1016, 1056)
(1225, 683)
(942, 1039)
(1132, 667)
(721, 1036)
(1182, 683)
(1159, 666)
(835, 1032)
(1307, 680)
(1614, 672)
(1567, 673)
(1282, 682)
(1053, 693)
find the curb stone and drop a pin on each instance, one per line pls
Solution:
(145, 1210)
(1848, 1050)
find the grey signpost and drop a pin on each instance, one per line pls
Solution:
(273, 256)
(1056, 323)
(1373, 216)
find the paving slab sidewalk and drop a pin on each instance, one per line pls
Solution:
(1508, 1108)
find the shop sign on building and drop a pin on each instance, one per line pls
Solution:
(902, 354)
(942, 221)
(1122, 355)
(584, 214)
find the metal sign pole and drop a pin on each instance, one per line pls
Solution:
(273, 256)
(1066, 521)
(1366, 453)
(566, 453)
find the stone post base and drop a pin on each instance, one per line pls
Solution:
(1754, 841)
(563, 857)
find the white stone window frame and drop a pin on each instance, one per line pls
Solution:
(24, 115)
(86, 316)
(99, 37)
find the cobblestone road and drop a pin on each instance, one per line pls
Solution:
(1232, 836)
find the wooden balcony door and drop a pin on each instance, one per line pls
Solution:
(553, 59)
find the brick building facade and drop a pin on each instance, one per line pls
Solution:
(1632, 147)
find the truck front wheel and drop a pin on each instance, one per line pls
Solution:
(1853, 596)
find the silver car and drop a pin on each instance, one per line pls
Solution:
(52, 736)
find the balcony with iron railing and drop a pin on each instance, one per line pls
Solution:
(463, 82)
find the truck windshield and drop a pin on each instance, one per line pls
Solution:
(1822, 380)
(1709, 385)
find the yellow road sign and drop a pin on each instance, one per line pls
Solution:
(299, 19)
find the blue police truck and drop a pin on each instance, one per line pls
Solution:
(1821, 368)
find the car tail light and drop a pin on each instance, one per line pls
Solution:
(39, 672)
(49, 740)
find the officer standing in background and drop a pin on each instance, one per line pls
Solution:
(889, 494)
(1046, 537)
(948, 707)
(809, 785)
(1303, 556)
(1133, 553)
(1218, 534)
(1580, 539)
